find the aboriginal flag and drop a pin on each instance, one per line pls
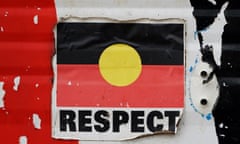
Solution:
(120, 65)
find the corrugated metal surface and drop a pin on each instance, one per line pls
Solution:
(26, 75)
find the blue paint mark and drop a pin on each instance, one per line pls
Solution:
(209, 116)
(195, 35)
(196, 61)
(190, 69)
(196, 32)
(194, 66)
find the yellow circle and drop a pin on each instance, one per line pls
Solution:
(120, 64)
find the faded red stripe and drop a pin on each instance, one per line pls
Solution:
(83, 86)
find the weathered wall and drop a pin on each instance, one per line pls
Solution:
(27, 47)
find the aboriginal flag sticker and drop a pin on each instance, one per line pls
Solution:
(117, 81)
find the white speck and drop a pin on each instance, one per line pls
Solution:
(69, 83)
(229, 64)
(38, 8)
(2, 29)
(36, 85)
(224, 84)
(2, 93)
(67, 116)
(22, 140)
(222, 135)
(36, 121)
(28, 67)
(35, 19)
(16, 83)
(6, 13)
(226, 127)
(213, 2)
(38, 98)
(221, 125)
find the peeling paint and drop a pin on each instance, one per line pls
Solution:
(37, 85)
(22, 140)
(16, 83)
(28, 68)
(36, 121)
(69, 83)
(6, 13)
(35, 19)
(2, 29)
(2, 94)
(217, 29)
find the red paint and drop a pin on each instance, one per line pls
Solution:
(26, 50)
(157, 86)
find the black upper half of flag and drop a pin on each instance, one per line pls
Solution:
(156, 43)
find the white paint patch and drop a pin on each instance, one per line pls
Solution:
(1, 29)
(22, 140)
(2, 94)
(69, 83)
(16, 83)
(35, 19)
(36, 121)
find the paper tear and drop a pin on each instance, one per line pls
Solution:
(2, 94)
(22, 140)
(16, 83)
(217, 29)
(36, 121)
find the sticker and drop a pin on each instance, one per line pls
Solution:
(117, 81)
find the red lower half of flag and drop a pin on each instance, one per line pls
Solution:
(83, 86)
